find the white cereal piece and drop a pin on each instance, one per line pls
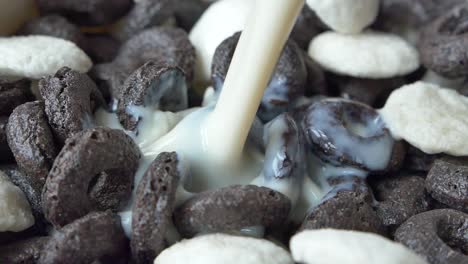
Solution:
(36, 56)
(15, 211)
(330, 246)
(226, 249)
(431, 118)
(346, 16)
(371, 54)
(220, 21)
(13, 14)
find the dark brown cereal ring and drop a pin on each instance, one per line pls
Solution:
(54, 26)
(287, 83)
(101, 48)
(348, 133)
(164, 45)
(316, 82)
(31, 141)
(153, 206)
(5, 152)
(87, 12)
(144, 14)
(95, 238)
(187, 12)
(24, 251)
(12, 237)
(447, 182)
(285, 160)
(152, 85)
(399, 198)
(87, 156)
(14, 93)
(306, 27)
(230, 209)
(368, 91)
(397, 15)
(439, 235)
(444, 44)
(418, 161)
(70, 100)
(348, 205)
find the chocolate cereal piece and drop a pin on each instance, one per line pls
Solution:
(144, 14)
(316, 83)
(447, 182)
(397, 16)
(101, 48)
(25, 251)
(31, 141)
(12, 94)
(306, 27)
(95, 238)
(153, 85)
(153, 206)
(70, 100)
(54, 26)
(348, 133)
(399, 197)
(286, 85)
(85, 158)
(438, 235)
(187, 12)
(5, 152)
(368, 91)
(444, 43)
(231, 208)
(86, 12)
(418, 161)
(163, 45)
(349, 206)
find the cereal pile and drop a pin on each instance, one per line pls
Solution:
(358, 152)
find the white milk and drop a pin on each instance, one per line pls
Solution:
(210, 140)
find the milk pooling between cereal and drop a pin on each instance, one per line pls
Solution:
(212, 139)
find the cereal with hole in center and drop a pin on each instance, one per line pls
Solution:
(447, 182)
(438, 235)
(286, 85)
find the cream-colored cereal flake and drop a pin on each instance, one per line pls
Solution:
(226, 249)
(371, 54)
(330, 246)
(431, 118)
(15, 211)
(37, 56)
